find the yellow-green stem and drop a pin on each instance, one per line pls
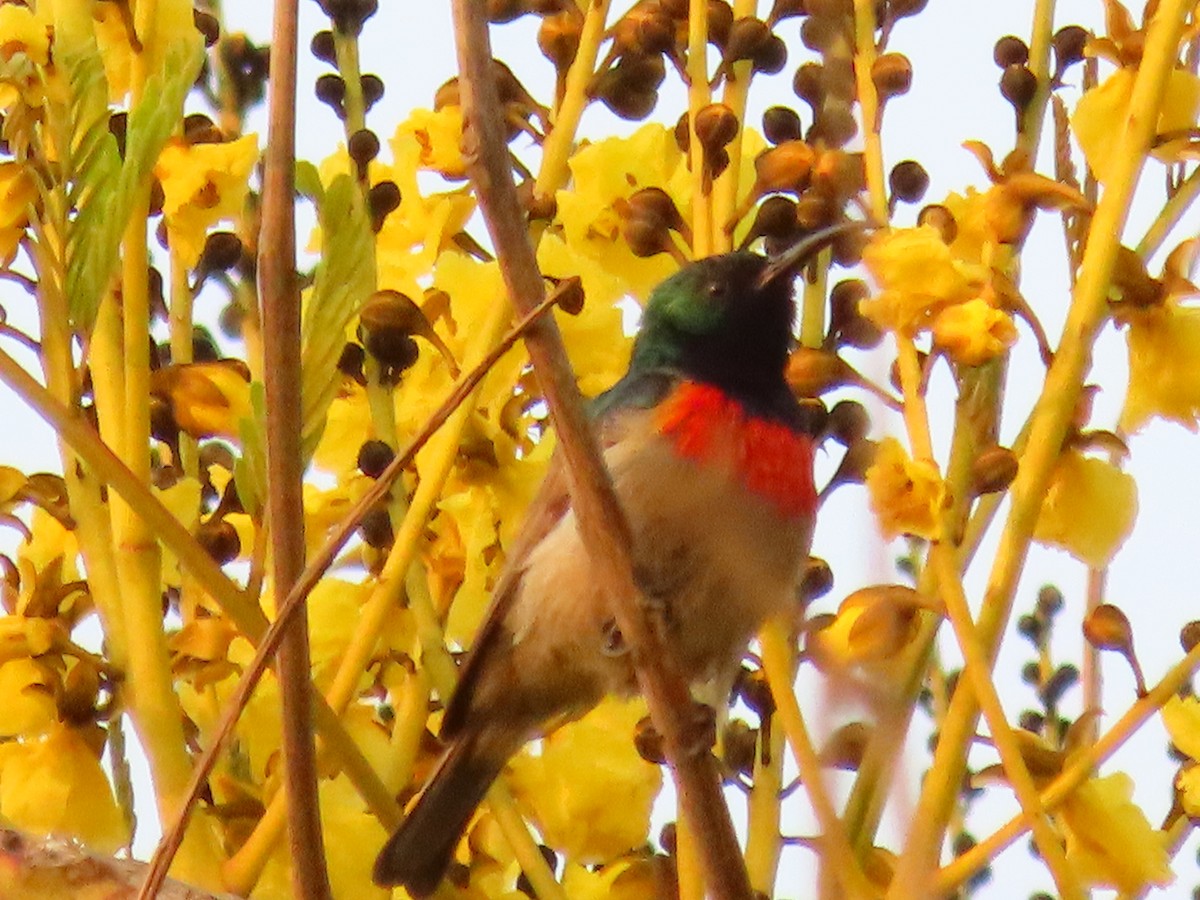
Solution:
(1051, 418)
(868, 102)
(725, 191)
(561, 140)
(763, 841)
(699, 96)
(1034, 113)
(979, 676)
(835, 848)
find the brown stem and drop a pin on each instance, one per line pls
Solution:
(281, 356)
(602, 523)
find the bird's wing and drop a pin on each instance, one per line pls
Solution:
(553, 500)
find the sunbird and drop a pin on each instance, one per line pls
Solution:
(713, 466)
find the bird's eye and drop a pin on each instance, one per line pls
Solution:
(716, 290)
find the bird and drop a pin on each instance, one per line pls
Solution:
(712, 463)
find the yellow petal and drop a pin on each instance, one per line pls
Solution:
(973, 332)
(54, 785)
(1181, 716)
(1110, 843)
(590, 792)
(1089, 509)
(1164, 381)
(906, 494)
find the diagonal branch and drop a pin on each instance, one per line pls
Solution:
(601, 520)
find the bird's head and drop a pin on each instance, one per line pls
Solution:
(728, 319)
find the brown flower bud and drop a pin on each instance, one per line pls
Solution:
(219, 540)
(775, 219)
(809, 84)
(817, 580)
(648, 742)
(630, 88)
(1069, 43)
(835, 124)
(1017, 86)
(993, 470)
(940, 218)
(362, 147)
(374, 456)
(892, 74)
(382, 199)
(740, 747)
(908, 181)
(331, 90)
(847, 325)
(1189, 636)
(845, 747)
(786, 9)
(782, 123)
(222, 250)
(1107, 628)
(322, 46)
(848, 422)
(720, 22)
(716, 126)
(811, 372)
(376, 528)
(372, 89)
(558, 37)
(814, 211)
(1010, 50)
(771, 57)
(785, 167)
(208, 25)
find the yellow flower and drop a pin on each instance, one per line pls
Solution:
(1110, 843)
(202, 184)
(917, 276)
(1101, 113)
(424, 224)
(1164, 381)
(1088, 509)
(609, 171)
(1181, 715)
(970, 220)
(973, 332)
(54, 785)
(872, 625)
(906, 494)
(17, 193)
(590, 792)
(439, 137)
(24, 47)
(28, 692)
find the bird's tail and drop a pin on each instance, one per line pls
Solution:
(417, 855)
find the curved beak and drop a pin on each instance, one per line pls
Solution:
(790, 260)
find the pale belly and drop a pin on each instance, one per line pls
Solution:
(715, 559)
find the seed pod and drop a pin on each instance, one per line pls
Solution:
(775, 221)
(200, 129)
(755, 691)
(1010, 50)
(740, 747)
(835, 124)
(786, 9)
(1049, 601)
(892, 75)
(771, 57)
(848, 326)
(908, 181)
(630, 88)
(782, 123)
(350, 362)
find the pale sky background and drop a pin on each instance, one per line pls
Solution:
(954, 98)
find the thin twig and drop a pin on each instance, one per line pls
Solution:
(280, 298)
(601, 521)
(308, 579)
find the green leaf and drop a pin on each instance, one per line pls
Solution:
(308, 181)
(345, 277)
(107, 195)
(250, 470)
